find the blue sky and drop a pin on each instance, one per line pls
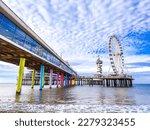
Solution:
(79, 30)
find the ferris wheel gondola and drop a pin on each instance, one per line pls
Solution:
(116, 55)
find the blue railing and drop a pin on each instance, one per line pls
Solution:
(11, 31)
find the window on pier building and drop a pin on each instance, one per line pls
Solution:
(1, 17)
(7, 28)
(9, 23)
(19, 36)
(29, 43)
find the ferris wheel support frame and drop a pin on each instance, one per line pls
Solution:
(116, 55)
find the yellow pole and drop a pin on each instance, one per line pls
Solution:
(20, 75)
(33, 78)
(73, 82)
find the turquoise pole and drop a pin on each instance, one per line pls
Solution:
(41, 76)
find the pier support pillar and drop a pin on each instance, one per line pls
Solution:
(81, 82)
(33, 78)
(42, 77)
(106, 82)
(62, 80)
(78, 82)
(115, 83)
(131, 83)
(71, 81)
(57, 80)
(43, 80)
(67, 80)
(125, 82)
(20, 75)
(50, 78)
(103, 82)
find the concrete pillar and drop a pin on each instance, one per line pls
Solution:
(115, 84)
(103, 82)
(112, 83)
(78, 81)
(106, 82)
(81, 82)
(131, 83)
(125, 83)
(121, 82)
(20, 75)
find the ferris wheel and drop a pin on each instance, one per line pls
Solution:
(116, 55)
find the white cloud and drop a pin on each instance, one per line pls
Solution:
(139, 69)
(137, 58)
(9, 72)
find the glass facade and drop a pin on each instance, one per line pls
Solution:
(11, 31)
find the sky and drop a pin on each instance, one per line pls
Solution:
(79, 31)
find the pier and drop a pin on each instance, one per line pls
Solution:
(21, 46)
(105, 81)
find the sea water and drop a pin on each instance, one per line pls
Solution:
(78, 99)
